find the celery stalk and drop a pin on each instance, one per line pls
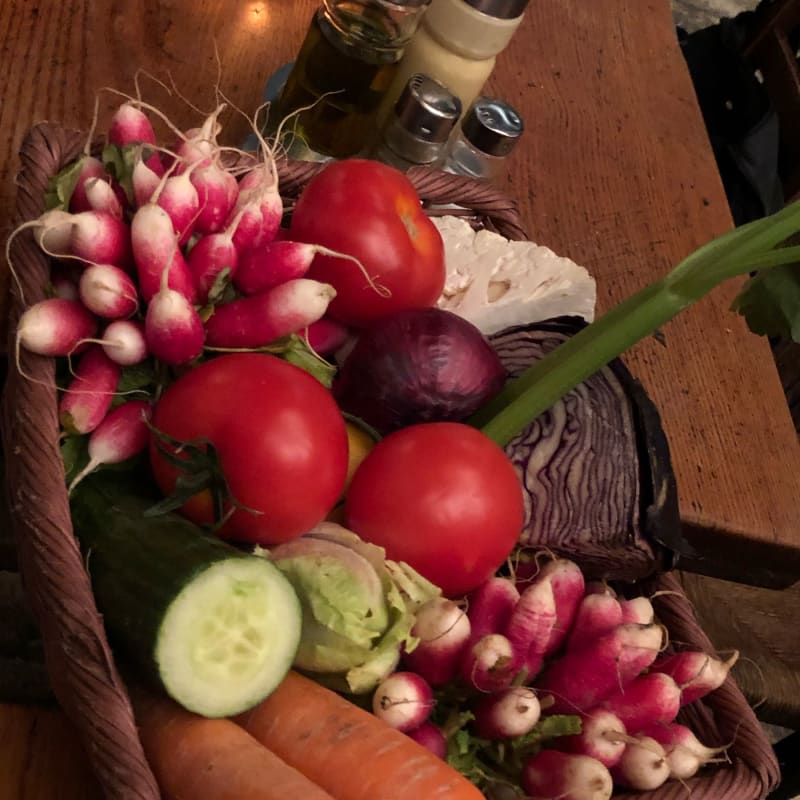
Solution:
(738, 252)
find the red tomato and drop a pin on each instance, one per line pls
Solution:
(370, 211)
(442, 497)
(279, 435)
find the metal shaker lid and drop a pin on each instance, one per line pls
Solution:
(500, 9)
(492, 126)
(427, 109)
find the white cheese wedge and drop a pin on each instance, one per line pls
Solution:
(496, 283)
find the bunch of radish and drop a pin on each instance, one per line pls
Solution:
(520, 653)
(176, 255)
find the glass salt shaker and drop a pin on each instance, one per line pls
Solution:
(488, 133)
(423, 119)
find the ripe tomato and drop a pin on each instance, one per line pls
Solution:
(372, 212)
(280, 439)
(442, 497)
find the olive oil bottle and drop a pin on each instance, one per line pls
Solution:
(344, 67)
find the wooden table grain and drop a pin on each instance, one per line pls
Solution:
(615, 170)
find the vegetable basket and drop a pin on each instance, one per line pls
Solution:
(82, 670)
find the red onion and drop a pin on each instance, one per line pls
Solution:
(421, 365)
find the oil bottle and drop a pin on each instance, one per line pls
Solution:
(344, 67)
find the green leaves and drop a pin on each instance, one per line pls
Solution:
(119, 163)
(199, 469)
(770, 302)
(491, 764)
(62, 186)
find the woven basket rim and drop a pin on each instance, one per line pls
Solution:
(80, 663)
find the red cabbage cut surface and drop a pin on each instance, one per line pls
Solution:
(588, 467)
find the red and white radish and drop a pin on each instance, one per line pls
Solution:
(156, 251)
(261, 319)
(530, 626)
(89, 168)
(130, 125)
(326, 335)
(173, 329)
(582, 678)
(179, 199)
(490, 606)
(404, 701)
(431, 738)
(597, 615)
(647, 699)
(53, 232)
(124, 342)
(567, 581)
(696, 673)
(101, 238)
(101, 197)
(488, 664)
(643, 765)
(55, 327)
(200, 144)
(87, 399)
(261, 206)
(108, 291)
(261, 268)
(552, 775)
(603, 736)
(638, 609)
(507, 714)
(217, 191)
(686, 754)
(210, 256)
(123, 434)
(443, 630)
(145, 183)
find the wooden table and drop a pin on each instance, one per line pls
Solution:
(615, 171)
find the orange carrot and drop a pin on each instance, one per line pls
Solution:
(348, 751)
(194, 758)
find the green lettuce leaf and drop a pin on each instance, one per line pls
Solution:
(358, 608)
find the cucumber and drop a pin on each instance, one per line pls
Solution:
(217, 628)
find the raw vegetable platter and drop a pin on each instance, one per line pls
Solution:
(65, 598)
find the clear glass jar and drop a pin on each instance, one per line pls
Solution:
(344, 67)
(456, 44)
(488, 133)
(418, 130)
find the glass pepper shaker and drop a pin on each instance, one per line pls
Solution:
(344, 67)
(418, 130)
(488, 133)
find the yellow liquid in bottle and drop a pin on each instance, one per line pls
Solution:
(356, 70)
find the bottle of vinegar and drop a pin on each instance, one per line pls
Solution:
(344, 67)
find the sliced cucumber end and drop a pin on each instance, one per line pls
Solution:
(229, 638)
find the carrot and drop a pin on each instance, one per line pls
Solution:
(194, 758)
(348, 751)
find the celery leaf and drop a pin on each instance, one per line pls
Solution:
(770, 302)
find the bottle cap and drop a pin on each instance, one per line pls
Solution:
(492, 126)
(500, 9)
(427, 109)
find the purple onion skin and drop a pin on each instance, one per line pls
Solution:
(420, 365)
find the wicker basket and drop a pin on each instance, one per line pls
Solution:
(80, 664)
